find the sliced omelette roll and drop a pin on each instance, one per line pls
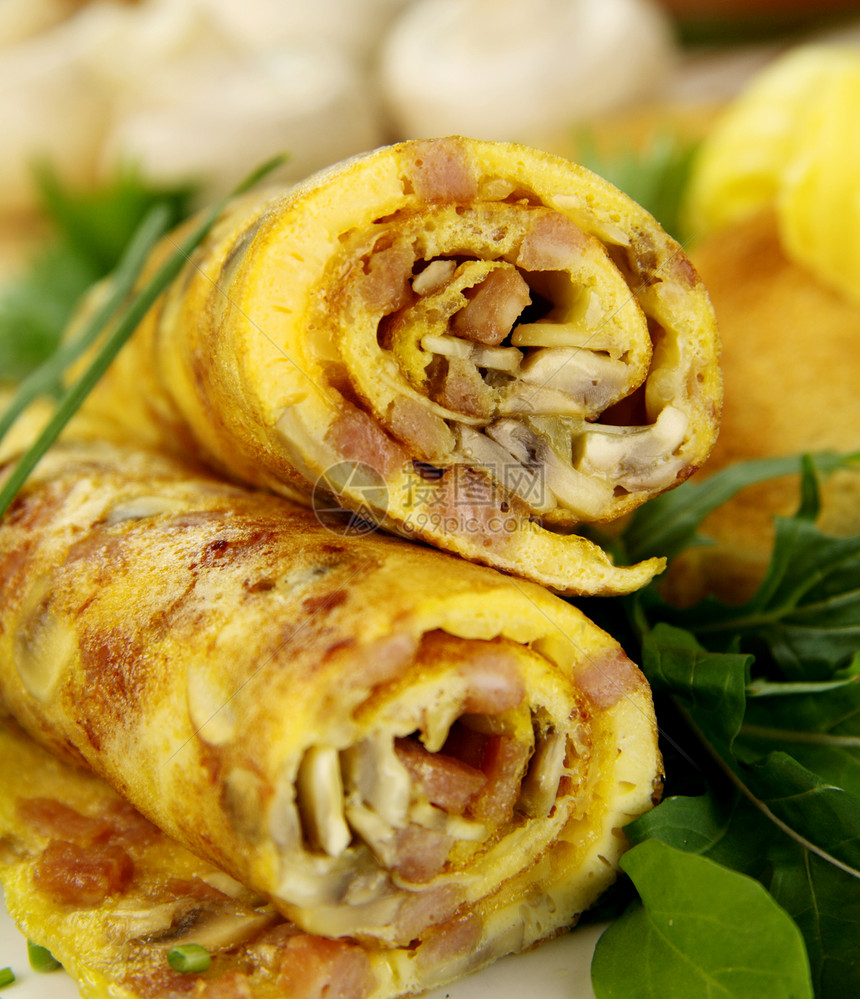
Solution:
(476, 344)
(139, 895)
(390, 744)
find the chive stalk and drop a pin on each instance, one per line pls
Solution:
(122, 282)
(139, 305)
(41, 959)
(189, 958)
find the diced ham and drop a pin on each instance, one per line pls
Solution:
(355, 436)
(607, 678)
(386, 286)
(429, 907)
(458, 936)
(195, 888)
(493, 307)
(439, 171)
(82, 876)
(463, 390)
(447, 782)
(317, 968)
(232, 985)
(129, 827)
(418, 427)
(381, 660)
(52, 818)
(504, 762)
(421, 853)
(551, 243)
(495, 683)
(467, 503)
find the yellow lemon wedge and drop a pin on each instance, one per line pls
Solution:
(791, 142)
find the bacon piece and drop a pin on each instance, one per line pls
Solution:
(426, 908)
(82, 876)
(59, 821)
(355, 436)
(493, 307)
(504, 762)
(447, 782)
(421, 853)
(439, 171)
(317, 968)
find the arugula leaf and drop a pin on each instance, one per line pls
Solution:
(821, 732)
(669, 523)
(90, 230)
(823, 900)
(806, 612)
(710, 689)
(687, 939)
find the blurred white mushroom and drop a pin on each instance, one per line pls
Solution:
(354, 26)
(520, 70)
(50, 106)
(214, 120)
(21, 19)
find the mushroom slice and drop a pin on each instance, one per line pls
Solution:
(594, 380)
(507, 469)
(635, 457)
(497, 358)
(320, 794)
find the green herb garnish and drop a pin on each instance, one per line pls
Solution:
(189, 958)
(654, 174)
(115, 338)
(88, 233)
(41, 959)
(759, 710)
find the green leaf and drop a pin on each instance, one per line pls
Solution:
(710, 690)
(822, 732)
(116, 337)
(654, 173)
(685, 938)
(807, 611)
(670, 523)
(823, 899)
(712, 686)
(89, 232)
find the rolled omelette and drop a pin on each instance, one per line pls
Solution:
(475, 344)
(416, 757)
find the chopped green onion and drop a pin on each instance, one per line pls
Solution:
(41, 959)
(7, 976)
(140, 304)
(188, 958)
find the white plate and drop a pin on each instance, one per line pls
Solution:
(555, 970)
